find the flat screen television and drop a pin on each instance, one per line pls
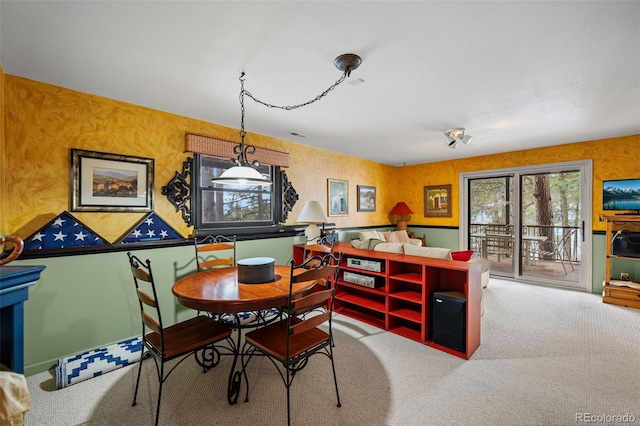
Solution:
(621, 195)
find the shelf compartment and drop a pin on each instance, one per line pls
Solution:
(366, 317)
(360, 300)
(409, 277)
(408, 295)
(407, 314)
(408, 329)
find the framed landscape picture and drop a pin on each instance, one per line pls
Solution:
(337, 197)
(366, 198)
(437, 201)
(103, 182)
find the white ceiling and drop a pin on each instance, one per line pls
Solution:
(515, 74)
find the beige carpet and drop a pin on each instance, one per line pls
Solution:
(547, 356)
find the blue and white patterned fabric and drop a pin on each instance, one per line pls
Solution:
(86, 365)
(246, 318)
(62, 232)
(151, 228)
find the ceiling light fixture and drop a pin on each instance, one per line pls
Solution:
(456, 135)
(244, 173)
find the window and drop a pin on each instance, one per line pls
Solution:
(221, 206)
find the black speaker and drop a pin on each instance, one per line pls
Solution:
(448, 323)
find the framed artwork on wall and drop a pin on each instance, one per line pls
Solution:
(366, 198)
(103, 182)
(437, 201)
(337, 197)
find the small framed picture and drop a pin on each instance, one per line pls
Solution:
(103, 182)
(366, 198)
(337, 197)
(437, 201)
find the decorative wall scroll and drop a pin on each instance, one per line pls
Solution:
(103, 182)
(289, 196)
(179, 191)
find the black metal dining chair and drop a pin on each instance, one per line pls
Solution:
(290, 342)
(196, 336)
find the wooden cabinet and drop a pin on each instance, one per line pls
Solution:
(622, 253)
(394, 292)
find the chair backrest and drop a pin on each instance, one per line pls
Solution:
(215, 251)
(318, 245)
(325, 268)
(147, 295)
(499, 238)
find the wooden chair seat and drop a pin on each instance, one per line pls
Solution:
(272, 340)
(188, 336)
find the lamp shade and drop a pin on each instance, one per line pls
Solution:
(242, 175)
(401, 208)
(312, 213)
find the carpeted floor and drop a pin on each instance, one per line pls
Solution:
(547, 357)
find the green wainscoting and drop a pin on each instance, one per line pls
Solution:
(88, 301)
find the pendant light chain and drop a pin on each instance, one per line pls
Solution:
(292, 107)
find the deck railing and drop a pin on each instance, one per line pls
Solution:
(568, 251)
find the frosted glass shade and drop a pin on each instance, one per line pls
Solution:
(241, 175)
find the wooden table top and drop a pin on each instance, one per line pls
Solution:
(218, 291)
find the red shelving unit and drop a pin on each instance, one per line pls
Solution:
(401, 302)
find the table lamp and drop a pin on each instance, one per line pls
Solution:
(312, 214)
(403, 211)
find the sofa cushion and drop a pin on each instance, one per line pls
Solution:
(397, 237)
(462, 255)
(369, 244)
(367, 235)
(436, 252)
(389, 248)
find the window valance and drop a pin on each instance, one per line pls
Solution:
(224, 149)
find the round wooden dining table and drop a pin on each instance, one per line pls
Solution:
(219, 292)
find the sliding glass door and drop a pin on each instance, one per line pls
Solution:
(531, 223)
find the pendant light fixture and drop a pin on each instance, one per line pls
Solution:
(244, 172)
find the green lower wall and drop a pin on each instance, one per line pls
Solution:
(84, 302)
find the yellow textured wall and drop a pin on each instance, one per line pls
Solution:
(43, 122)
(613, 158)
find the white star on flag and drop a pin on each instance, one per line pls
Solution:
(38, 236)
(59, 236)
(80, 236)
(151, 233)
(149, 221)
(59, 222)
(137, 233)
(164, 234)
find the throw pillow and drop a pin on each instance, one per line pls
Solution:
(397, 237)
(462, 255)
(368, 235)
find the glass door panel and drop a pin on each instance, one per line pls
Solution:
(491, 222)
(551, 226)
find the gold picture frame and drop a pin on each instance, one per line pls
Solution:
(437, 201)
(103, 182)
